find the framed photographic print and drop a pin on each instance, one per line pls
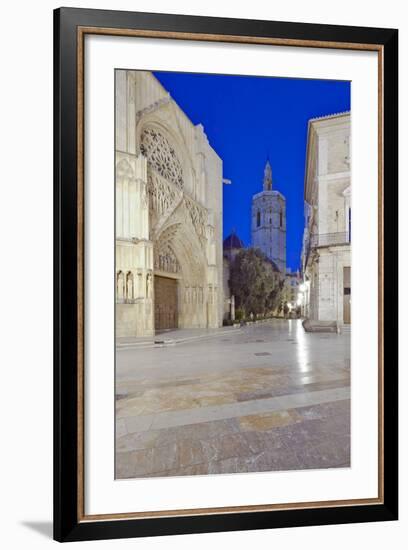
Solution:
(225, 274)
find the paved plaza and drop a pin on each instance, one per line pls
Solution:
(263, 397)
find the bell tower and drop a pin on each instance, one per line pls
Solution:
(268, 224)
(267, 182)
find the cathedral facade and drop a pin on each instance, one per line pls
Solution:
(268, 221)
(168, 270)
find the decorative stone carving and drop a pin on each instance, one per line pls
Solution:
(140, 293)
(120, 286)
(210, 294)
(161, 156)
(198, 215)
(152, 107)
(163, 197)
(144, 196)
(129, 286)
(149, 283)
(165, 260)
(124, 169)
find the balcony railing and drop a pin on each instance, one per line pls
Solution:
(330, 239)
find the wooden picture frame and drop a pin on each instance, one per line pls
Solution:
(70, 28)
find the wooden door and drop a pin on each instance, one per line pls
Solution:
(165, 303)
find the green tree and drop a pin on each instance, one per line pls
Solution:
(252, 282)
(274, 300)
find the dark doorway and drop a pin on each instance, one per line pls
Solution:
(165, 303)
(346, 296)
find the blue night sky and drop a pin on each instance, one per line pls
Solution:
(247, 119)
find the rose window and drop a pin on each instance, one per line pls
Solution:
(161, 156)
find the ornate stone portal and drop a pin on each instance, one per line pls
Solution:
(168, 214)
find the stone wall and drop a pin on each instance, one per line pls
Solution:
(327, 237)
(330, 281)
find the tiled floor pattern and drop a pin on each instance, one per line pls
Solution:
(283, 414)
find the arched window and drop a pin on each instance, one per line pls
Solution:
(258, 219)
(129, 286)
(120, 286)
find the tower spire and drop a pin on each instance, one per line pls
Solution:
(267, 181)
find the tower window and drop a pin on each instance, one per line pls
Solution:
(258, 219)
(280, 219)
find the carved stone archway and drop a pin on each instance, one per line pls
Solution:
(178, 229)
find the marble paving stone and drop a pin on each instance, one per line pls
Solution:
(138, 423)
(288, 390)
(327, 454)
(264, 393)
(313, 398)
(266, 421)
(273, 461)
(134, 464)
(184, 411)
(195, 469)
(120, 395)
(120, 428)
(233, 410)
(227, 466)
(315, 431)
(136, 441)
(190, 453)
(341, 407)
(325, 410)
(264, 461)
(227, 446)
(165, 457)
(259, 442)
(201, 431)
(295, 436)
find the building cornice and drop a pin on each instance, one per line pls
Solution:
(331, 116)
(315, 127)
(272, 193)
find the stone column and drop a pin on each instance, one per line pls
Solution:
(232, 308)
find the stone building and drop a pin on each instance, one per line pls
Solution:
(168, 213)
(293, 280)
(268, 221)
(326, 255)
